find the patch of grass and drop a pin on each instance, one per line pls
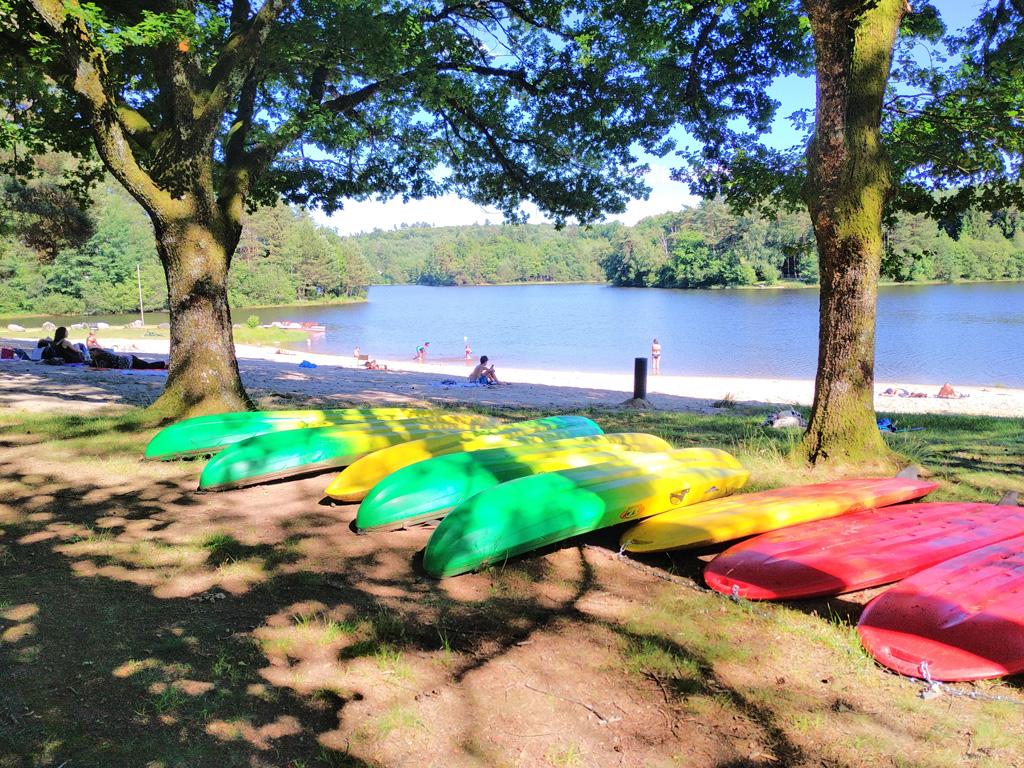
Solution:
(392, 661)
(229, 669)
(388, 626)
(396, 718)
(166, 702)
(663, 663)
(447, 655)
(327, 630)
(564, 757)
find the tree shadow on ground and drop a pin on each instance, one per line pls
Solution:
(253, 628)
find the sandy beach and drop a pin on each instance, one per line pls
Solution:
(276, 379)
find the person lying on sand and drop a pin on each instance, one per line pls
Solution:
(901, 392)
(104, 358)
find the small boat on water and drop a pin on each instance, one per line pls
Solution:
(292, 325)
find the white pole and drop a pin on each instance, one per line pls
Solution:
(138, 274)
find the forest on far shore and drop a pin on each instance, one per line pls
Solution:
(60, 255)
(706, 246)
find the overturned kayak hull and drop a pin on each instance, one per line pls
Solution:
(958, 620)
(532, 512)
(858, 550)
(428, 489)
(359, 477)
(297, 452)
(204, 435)
(753, 513)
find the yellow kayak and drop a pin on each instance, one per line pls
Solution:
(531, 512)
(752, 513)
(427, 489)
(358, 478)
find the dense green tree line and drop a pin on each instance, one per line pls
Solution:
(708, 246)
(58, 256)
(702, 247)
(474, 255)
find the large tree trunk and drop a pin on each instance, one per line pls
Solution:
(203, 376)
(849, 180)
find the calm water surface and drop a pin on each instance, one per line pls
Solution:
(971, 334)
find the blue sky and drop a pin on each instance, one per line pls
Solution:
(793, 93)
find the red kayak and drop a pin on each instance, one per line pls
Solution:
(960, 620)
(858, 550)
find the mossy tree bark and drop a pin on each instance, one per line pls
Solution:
(849, 180)
(203, 376)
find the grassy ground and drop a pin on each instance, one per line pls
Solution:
(243, 334)
(142, 624)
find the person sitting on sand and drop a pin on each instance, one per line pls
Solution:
(484, 373)
(62, 349)
(104, 358)
(91, 341)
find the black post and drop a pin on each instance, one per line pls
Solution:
(640, 378)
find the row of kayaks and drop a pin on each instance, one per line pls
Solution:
(503, 489)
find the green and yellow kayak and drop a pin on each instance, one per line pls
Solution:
(209, 434)
(359, 477)
(531, 512)
(428, 489)
(294, 452)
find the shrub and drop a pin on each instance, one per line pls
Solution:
(253, 321)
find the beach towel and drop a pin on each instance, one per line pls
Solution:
(888, 425)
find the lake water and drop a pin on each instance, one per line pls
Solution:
(967, 334)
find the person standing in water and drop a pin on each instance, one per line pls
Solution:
(469, 353)
(655, 356)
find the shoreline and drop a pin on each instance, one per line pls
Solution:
(274, 373)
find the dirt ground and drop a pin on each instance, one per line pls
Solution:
(143, 624)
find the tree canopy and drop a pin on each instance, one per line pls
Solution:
(201, 109)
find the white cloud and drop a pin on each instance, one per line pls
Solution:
(449, 210)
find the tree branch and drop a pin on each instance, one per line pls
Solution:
(88, 75)
(240, 53)
(238, 168)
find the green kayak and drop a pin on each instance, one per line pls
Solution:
(359, 477)
(209, 434)
(531, 512)
(427, 489)
(302, 451)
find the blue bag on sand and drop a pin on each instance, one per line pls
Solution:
(307, 364)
